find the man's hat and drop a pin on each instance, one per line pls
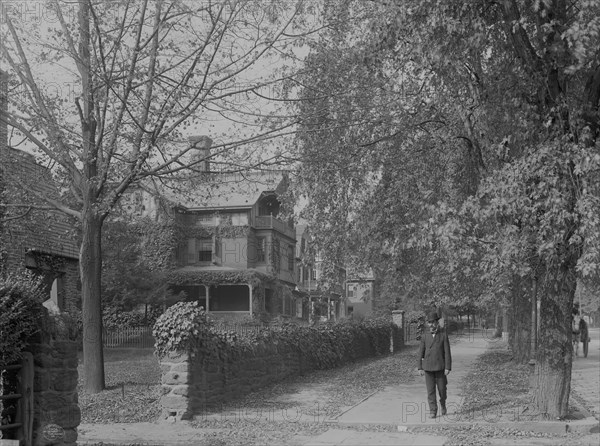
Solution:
(432, 316)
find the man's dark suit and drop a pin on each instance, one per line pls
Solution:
(434, 357)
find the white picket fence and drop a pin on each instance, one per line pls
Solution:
(136, 337)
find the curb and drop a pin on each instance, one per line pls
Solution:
(586, 426)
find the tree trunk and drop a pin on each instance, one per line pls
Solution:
(498, 324)
(91, 270)
(555, 350)
(519, 322)
(534, 319)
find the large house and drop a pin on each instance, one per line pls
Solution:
(40, 240)
(235, 253)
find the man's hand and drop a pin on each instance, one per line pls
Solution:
(446, 371)
(421, 372)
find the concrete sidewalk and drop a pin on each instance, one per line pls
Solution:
(400, 408)
(405, 405)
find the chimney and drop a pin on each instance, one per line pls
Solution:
(199, 155)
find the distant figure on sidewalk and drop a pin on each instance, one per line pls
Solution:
(435, 362)
(584, 335)
(576, 330)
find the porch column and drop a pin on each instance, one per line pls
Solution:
(207, 297)
(250, 297)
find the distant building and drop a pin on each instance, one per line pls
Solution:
(323, 305)
(360, 296)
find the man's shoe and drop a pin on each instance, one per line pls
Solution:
(444, 410)
(432, 414)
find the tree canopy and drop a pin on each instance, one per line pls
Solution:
(453, 146)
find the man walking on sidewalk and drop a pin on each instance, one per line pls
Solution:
(435, 362)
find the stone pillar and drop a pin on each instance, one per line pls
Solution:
(398, 318)
(56, 413)
(176, 383)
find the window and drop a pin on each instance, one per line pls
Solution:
(313, 274)
(229, 298)
(204, 256)
(289, 306)
(291, 258)
(351, 289)
(239, 219)
(260, 249)
(205, 250)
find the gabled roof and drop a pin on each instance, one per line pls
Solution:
(224, 191)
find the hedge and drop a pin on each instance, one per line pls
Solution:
(186, 327)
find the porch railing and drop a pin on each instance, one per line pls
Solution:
(270, 222)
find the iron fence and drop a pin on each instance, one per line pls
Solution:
(130, 337)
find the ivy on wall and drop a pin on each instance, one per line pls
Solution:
(186, 229)
(209, 278)
(418, 318)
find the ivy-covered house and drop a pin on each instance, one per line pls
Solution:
(235, 253)
(32, 236)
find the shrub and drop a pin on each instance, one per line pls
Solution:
(129, 319)
(331, 345)
(21, 298)
(186, 327)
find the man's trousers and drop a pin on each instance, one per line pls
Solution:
(432, 380)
